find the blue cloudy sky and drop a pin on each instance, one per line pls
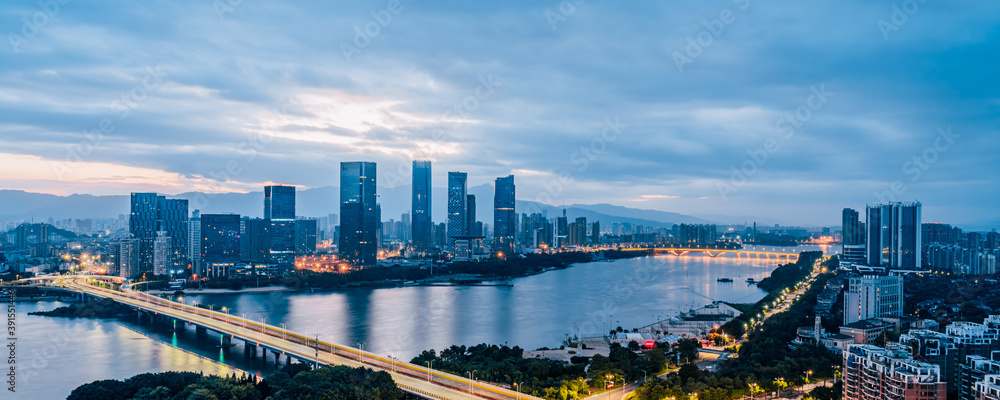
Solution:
(643, 104)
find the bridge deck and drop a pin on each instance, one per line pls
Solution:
(409, 377)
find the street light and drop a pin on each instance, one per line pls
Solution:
(472, 376)
(362, 352)
(517, 386)
(429, 363)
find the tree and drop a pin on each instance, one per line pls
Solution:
(688, 349)
(781, 385)
(633, 346)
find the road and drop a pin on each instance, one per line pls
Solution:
(413, 378)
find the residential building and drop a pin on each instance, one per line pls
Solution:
(870, 297)
(894, 236)
(876, 373)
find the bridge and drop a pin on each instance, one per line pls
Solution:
(421, 381)
(682, 251)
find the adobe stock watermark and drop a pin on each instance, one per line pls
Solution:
(786, 127)
(125, 105)
(487, 88)
(919, 164)
(581, 159)
(704, 39)
(364, 35)
(900, 16)
(563, 11)
(31, 27)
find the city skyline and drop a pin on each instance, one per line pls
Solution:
(658, 136)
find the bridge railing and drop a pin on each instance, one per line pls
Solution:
(439, 378)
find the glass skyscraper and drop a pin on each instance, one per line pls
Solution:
(151, 214)
(358, 213)
(220, 243)
(504, 217)
(279, 215)
(458, 198)
(893, 236)
(422, 225)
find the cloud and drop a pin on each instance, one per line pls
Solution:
(267, 89)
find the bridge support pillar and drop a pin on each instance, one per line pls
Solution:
(250, 350)
(277, 359)
(179, 326)
(226, 341)
(200, 330)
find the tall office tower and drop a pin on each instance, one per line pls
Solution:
(894, 236)
(161, 254)
(578, 232)
(875, 373)
(470, 216)
(255, 242)
(561, 230)
(279, 214)
(194, 238)
(992, 240)
(870, 297)
(853, 237)
(142, 226)
(220, 243)
(457, 206)
(305, 235)
(504, 215)
(440, 232)
(150, 214)
(422, 226)
(595, 232)
(359, 219)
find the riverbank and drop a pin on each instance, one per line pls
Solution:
(193, 291)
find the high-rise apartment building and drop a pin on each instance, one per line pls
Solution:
(359, 213)
(876, 373)
(893, 238)
(870, 297)
(421, 207)
(853, 237)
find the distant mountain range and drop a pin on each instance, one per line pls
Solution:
(322, 201)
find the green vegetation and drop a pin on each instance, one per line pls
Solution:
(541, 377)
(296, 381)
(490, 269)
(103, 308)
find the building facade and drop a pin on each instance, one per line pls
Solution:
(893, 237)
(870, 297)
(220, 244)
(876, 373)
(504, 216)
(279, 215)
(458, 198)
(359, 213)
(421, 208)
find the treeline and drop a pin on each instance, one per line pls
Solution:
(296, 381)
(495, 268)
(103, 308)
(542, 377)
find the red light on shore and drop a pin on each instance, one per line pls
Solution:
(650, 344)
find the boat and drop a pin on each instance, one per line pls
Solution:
(751, 281)
(726, 280)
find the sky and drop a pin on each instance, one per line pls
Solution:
(721, 107)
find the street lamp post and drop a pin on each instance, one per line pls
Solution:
(362, 352)
(429, 363)
(472, 376)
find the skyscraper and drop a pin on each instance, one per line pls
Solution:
(255, 242)
(457, 206)
(150, 214)
(470, 216)
(305, 235)
(194, 238)
(853, 237)
(359, 221)
(504, 215)
(161, 254)
(279, 215)
(894, 236)
(220, 243)
(422, 225)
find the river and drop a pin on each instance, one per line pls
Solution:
(56, 355)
